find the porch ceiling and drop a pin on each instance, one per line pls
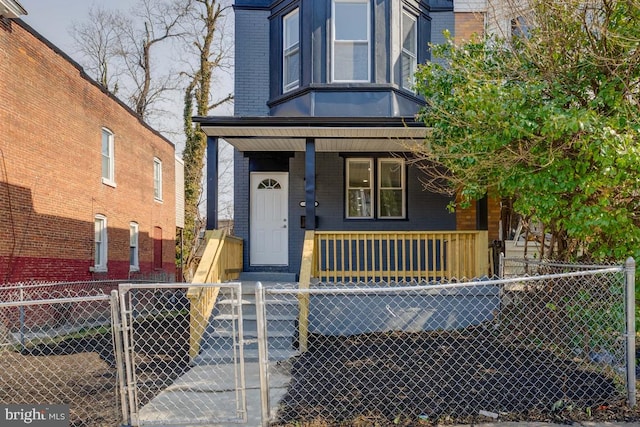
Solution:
(330, 134)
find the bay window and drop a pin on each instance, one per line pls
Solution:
(409, 59)
(351, 40)
(291, 51)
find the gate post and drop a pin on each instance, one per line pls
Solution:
(630, 304)
(263, 354)
(116, 335)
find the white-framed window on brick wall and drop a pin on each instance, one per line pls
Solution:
(359, 188)
(291, 51)
(375, 188)
(134, 263)
(351, 52)
(409, 60)
(100, 243)
(157, 179)
(391, 189)
(108, 158)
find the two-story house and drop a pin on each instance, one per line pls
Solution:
(87, 189)
(323, 127)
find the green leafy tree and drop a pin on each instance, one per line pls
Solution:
(549, 117)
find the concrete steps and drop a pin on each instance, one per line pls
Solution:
(219, 344)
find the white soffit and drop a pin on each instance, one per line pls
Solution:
(275, 138)
(11, 9)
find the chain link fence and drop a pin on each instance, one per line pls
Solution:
(556, 343)
(56, 348)
(521, 267)
(534, 347)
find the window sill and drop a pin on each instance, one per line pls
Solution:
(157, 200)
(134, 269)
(96, 269)
(108, 182)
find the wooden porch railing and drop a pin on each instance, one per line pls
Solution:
(221, 262)
(402, 255)
(341, 256)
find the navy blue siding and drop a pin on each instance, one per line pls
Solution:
(258, 79)
(251, 63)
(441, 21)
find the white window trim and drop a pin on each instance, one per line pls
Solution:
(111, 179)
(413, 55)
(134, 232)
(157, 182)
(371, 187)
(288, 51)
(379, 187)
(334, 41)
(101, 264)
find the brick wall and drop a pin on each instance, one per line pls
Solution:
(467, 24)
(251, 63)
(51, 116)
(466, 219)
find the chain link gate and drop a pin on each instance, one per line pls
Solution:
(182, 354)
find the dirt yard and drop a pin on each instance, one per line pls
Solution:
(428, 378)
(80, 372)
(371, 380)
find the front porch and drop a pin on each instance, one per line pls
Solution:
(362, 256)
(339, 200)
(344, 257)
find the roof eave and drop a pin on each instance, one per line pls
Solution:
(11, 9)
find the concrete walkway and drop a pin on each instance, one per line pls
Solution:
(204, 395)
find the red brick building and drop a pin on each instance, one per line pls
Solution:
(87, 190)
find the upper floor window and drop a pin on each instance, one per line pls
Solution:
(291, 51)
(157, 179)
(108, 158)
(351, 34)
(134, 264)
(100, 241)
(388, 193)
(409, 60)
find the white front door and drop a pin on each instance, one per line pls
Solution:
(269, 237)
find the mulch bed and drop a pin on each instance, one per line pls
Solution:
(438, 377)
